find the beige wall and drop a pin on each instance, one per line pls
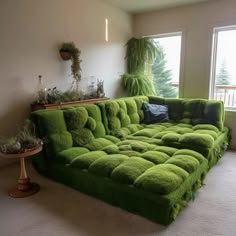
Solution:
(31, 32)
(196, 22)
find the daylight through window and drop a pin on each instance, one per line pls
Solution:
(166, 67)
(223, 71)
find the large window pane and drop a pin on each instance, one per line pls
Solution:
(223, 80)
(166, 68)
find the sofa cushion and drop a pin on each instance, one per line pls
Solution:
(155, 156)
(192, 153)
(52, 128)
(98, 144)
(136, 145)
(186, 162)
(168, 150)
(162, 179)
(70, 154)
(147, 132)
(196, 140)
(111, 149)
(206, 127)
(105, 165)
(85, 160)
(121, 113)
(154, 113)
(77, 121)
(95, 113)
(130, 169)
(193, 111)
(84, 123)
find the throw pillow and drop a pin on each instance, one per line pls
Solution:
(154, 113)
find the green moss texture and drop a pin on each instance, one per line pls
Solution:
(106, 151)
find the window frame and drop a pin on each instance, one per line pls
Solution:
(214, 50)
(181, 63)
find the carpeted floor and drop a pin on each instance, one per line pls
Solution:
(58, 210)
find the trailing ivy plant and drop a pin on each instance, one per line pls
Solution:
(140, 54)
(75, 58)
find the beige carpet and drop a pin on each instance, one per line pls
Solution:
(58, 210)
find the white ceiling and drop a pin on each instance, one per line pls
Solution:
(137, 6)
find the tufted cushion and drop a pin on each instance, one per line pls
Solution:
(111, 149)
(162, 179)
(85, 160)
(155, 156)
(186, 162)
(105, 165)
(70, 154)
(98, 144)
(195, 154)
(130, 169)
(52, 128)
(122, 113)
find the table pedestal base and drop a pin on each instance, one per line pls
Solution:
(30, 190)
(24, 187)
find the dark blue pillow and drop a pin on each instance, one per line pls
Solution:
(154, 113)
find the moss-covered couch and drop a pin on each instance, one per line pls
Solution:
(104, 150)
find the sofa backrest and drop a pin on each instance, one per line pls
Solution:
(77, 126)
(51, 127)
(68, 127)
(193, 111)
(122, 112)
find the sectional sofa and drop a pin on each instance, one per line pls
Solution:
(153, 170)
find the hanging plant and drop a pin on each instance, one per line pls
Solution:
(137, 84)
(69, 51)
(140, 54)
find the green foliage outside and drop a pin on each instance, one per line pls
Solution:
(223, 77)
(162, 77)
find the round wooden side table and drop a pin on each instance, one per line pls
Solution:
(24, 187)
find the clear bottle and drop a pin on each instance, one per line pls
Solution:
(92, 86)
(41, 91)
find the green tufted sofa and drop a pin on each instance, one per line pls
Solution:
(104, 150)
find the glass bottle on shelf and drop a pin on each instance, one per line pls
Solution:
(92, 87)
(41, 91)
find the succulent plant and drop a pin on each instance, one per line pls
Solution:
(11, 145)
(24, 140)
(27, 137)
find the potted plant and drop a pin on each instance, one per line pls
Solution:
(24, 141)
(69, 51)
(140, 54)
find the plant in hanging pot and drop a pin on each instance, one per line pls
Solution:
(140, 54)
(69, 51)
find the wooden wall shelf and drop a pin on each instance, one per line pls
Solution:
(35, 107)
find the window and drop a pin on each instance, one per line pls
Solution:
(166, 68)
(223, 70)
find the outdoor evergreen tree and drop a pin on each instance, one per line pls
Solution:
(162, 76)
(223, 77)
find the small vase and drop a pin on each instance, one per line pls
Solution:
(41, 91)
